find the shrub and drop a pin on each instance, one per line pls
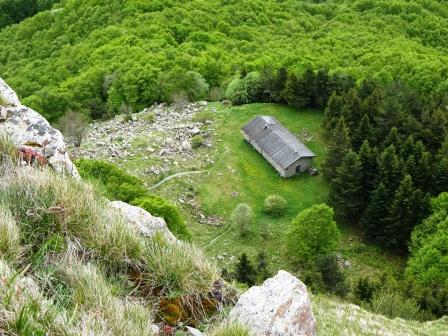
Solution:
(242, 217)
(119, 185)
(203, 116)
(393, 305)
(237, 92)
(244, 271)
(216, 94)
(159, 207)
(74, 127)
(231, 329)
(197, 141)
(179, 100)
(332, 275)
(365, 289)
(275, 206)
(148, 117)
(313, 233)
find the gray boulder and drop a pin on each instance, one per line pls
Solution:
(7, 95)
(143, 221)
(280, 307)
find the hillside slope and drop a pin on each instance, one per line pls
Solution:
(95, 55)
(337, 318)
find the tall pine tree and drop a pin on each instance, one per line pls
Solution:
(367, 156)
(338, 146)
(390, 168)
(374, 219)
(346, 188)
(408, 208)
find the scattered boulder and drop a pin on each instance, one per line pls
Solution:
(194, 332)
(143, 221)
(33, 134)
(186, 146)
(280, 307)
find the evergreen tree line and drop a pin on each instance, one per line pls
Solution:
(387, 154)
(14, 11)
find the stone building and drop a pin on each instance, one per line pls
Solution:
(287, 154)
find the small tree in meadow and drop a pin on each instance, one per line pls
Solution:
(245, 272)
(313, 233)
(275, 205)
(242, 217)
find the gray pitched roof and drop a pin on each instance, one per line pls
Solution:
(276, 141)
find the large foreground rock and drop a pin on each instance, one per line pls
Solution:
(32, 133)
(280, 307)
(143, 221)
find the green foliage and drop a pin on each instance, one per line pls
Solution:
(244, 271)
(119, 185)
(237, 91)
(275, 205)
(242, 217)
(197, 141)
(345, 189)
(231, 329)
(428, 262)
(332, 275)
(203, 116)
(159, 207)
(313, 233)
(393, 305)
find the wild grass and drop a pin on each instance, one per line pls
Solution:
(10, 247)
(337, 318)
(93, 295)
(231, 329)
(8, 150)
(75, 248)
(180, 269)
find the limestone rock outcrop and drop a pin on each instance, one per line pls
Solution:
(7, 95)
(143, 221)
(279, 307)
(32, 133)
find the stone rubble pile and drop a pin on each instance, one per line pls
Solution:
(160, 134)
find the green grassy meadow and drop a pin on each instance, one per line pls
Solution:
(240, 174)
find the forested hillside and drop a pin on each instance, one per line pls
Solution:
(95, 55)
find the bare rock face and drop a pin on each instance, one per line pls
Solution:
(280, 307)
(7, 95)
(143, 221)
(33, 134)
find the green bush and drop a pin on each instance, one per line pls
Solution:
(275, 205)
(242, 217)
(394, 305)
(237, 92)
(197, 141)
(119, 185)
(313, 233)
(160, 207)
(332, 275)
(203, 116)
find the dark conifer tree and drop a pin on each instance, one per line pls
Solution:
(333, 112)
(367, 156)
(362, 132)
(352, 110)
(374, 218)
(297, 91)
(346, 188)
(338, 146)
(390, 169)
(408, 207)
(440, 180)
(321, 91)
(245, 272)
(393, 138)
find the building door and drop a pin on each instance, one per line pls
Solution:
(298, 171)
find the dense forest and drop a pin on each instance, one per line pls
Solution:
(95, 55)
